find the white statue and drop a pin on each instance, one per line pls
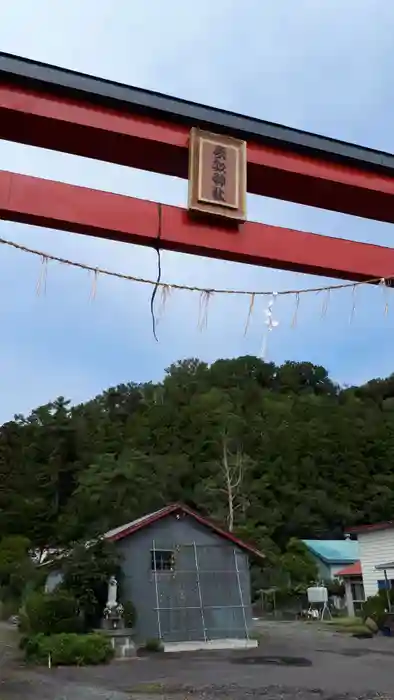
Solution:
(112, 593)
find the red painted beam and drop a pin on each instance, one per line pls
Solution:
(89, 130)
(80, 210)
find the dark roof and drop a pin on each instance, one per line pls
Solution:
(41, 77)
(375, 527)
(118, 533)
(352, 570)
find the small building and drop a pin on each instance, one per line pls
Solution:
(376, 554)
(332, 555)
(187, 577)
(354, 588)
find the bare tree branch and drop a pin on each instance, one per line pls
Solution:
(231, 470)
(233, 476)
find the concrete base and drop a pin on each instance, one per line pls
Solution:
(122, 642)
(112, 624)
(211, 645)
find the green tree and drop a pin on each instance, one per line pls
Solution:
(313, 458)
(299, 564)
(86, 572)
(16, 567)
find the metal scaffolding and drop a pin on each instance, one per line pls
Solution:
(204, 595)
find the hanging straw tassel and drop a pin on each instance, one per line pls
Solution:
(93, 290)
(294, 320)
(42, 279)
(353, 311)
(325, 305)
(164, 296)
(252, 299)
(203, 307)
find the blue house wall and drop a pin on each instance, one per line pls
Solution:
(331, 556)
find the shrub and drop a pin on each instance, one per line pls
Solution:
(375, 607)
(24, 624)
(335, 587)
(23, 642)
(69, 649)
(31, 645)
(52, 613)
(154, 645)
(129, 613)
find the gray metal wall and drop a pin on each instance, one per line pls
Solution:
(215, 579)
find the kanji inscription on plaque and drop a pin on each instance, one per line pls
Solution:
(217, 175)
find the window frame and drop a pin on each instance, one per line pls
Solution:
(162, 560)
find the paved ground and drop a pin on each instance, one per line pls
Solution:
(294, 661)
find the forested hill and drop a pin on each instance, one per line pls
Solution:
(274, 451)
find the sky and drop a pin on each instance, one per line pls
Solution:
(325, 66)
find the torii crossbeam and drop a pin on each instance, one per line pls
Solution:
(53, 108)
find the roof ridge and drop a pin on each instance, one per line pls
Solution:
(144, 521)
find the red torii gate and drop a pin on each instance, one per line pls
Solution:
(53, 108)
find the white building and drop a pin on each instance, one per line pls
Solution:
(376, 549)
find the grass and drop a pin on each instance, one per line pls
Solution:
(347, 625)
(345, 621)
(257, 635)
(147, 688)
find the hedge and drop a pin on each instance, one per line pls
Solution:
(375, 606)
(68, 649)
(51, 613)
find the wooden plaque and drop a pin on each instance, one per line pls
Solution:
(217, 175)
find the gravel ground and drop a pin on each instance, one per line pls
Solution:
(293, 661)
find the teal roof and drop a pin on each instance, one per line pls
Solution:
(334, 551)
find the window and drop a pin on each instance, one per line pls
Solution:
(382, 584)
(357, 589)
(162, 560)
